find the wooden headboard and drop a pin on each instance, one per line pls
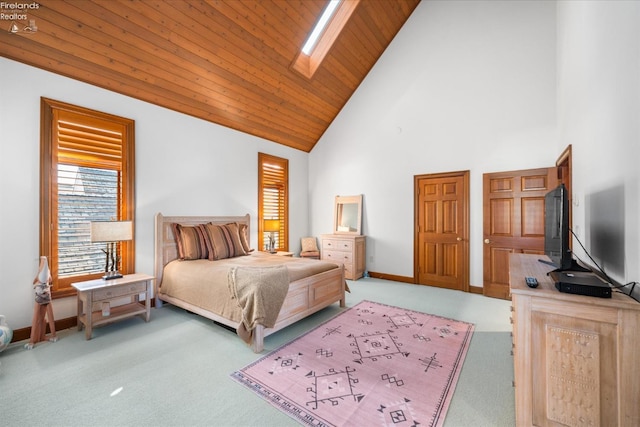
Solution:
(165, 248)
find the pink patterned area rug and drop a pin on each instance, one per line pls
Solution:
(372, 364)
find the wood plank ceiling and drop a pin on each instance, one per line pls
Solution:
(224, 61)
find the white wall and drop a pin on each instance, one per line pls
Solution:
(599, 114)
(184, 166)
(465, 85)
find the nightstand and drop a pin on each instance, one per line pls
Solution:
(105, 292)
(283, 253)
(280, 253)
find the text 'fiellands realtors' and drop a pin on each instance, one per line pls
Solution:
(14, 11)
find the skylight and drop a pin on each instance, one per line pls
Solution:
(322, 23)
(334, 17)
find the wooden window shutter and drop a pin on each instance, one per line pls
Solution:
(273, 203)
(82, 139)
(87, 174)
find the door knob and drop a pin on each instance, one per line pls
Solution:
(487, 241)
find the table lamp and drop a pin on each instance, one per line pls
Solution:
(271, 226)
(111, 232)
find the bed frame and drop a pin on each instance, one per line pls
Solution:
(305, 296)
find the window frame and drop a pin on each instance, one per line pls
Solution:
(283, 205)
(61, 287)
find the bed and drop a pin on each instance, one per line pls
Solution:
(307, 292)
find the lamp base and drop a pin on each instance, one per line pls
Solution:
(112, 275)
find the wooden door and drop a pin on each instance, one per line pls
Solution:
(442, 230)
(513, 221)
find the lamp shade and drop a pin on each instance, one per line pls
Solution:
(111, 231)
(271, 225)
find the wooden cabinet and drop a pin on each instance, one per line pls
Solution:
(576, 358)
(348, 249)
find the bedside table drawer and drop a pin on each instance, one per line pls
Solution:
(117, 291)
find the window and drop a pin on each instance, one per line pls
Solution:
(319, 27)
(273, 199)
(323, 35)
(86, 174)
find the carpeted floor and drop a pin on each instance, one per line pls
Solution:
(174, 371)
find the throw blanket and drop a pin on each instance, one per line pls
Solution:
(259, 292)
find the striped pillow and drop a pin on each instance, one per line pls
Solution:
(224, 241)
(244, 237)
(191, 241)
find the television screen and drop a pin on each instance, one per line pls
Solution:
(556, 228)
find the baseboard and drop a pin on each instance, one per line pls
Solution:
(61, 324)
(71, 322)
(472, 289)
(393, 277)
(476, 290)
(496, 291)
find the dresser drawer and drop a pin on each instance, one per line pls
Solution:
(337, 245)
(329, 244)
(342, 258)
(348, 271)
(333, 255)
(117, 291)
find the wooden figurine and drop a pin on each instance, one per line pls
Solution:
(42, 307)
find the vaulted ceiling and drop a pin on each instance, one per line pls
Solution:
(224, 61)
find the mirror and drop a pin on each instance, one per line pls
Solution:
(347, 218)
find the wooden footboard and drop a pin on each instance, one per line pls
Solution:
(305, 296)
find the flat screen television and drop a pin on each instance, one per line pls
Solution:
(556, 228)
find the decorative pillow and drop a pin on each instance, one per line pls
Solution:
(224, 240)
(309, 244)
(191, 241)
(244, 237)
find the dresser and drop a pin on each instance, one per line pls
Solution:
(576, 357)
(349, 249)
